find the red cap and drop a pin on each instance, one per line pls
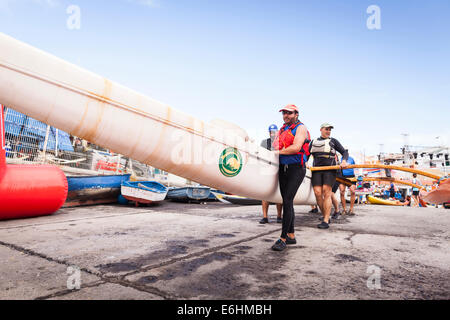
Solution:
(290, 107)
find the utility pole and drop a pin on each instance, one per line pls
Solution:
(406, 150)
(381, 158)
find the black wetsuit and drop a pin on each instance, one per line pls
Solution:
(290, 178)
(328, 177)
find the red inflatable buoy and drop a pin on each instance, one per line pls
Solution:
(29, 190)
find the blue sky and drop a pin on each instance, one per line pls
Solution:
(242, 60)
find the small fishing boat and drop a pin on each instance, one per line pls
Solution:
(90, 190)
(232, 199)
(188, 194)
(144, 192)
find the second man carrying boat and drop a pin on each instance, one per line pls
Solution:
(324, 151)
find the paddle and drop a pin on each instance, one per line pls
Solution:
(379, 166)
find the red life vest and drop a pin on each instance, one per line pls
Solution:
(285, 138)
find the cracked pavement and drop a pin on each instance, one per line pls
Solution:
(216, 251)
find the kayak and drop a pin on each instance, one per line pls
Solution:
(375, 200)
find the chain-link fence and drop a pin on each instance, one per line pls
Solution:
(29, 141)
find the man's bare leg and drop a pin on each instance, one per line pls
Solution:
(265, 208)
(416, 201)
(279, 210)
(319, 197)
(352, 197)
(327, 202)
(342, 188)
(335, 202)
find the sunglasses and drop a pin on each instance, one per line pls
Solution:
(288, 112)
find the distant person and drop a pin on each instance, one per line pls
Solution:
(386, 192)
(309, 164)
(337, 214)
(392, 191)
(348, 174)
(404, 202)
(78, 145)
(407, 201)
(324, 150)
(268, 144)
(416, 191)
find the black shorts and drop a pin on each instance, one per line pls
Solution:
(320, 178)
(349, 177)
(335, 186)
(416, 193)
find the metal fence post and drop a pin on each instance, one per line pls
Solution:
(56, 142)
(44, 149)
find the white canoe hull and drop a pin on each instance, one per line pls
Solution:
(110, 115)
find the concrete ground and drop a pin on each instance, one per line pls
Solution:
(218, 251)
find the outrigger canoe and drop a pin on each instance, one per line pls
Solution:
(94, 108)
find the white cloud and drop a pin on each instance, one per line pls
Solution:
(146, 3)
(6, 5)
(50, 3)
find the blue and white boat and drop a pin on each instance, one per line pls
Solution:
(90, 190)
(212, 194)
(145, 192)
(233, 199)
(189, 194)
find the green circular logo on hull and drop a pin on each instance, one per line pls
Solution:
(230, 162)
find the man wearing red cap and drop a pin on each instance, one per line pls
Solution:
(292, 146)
